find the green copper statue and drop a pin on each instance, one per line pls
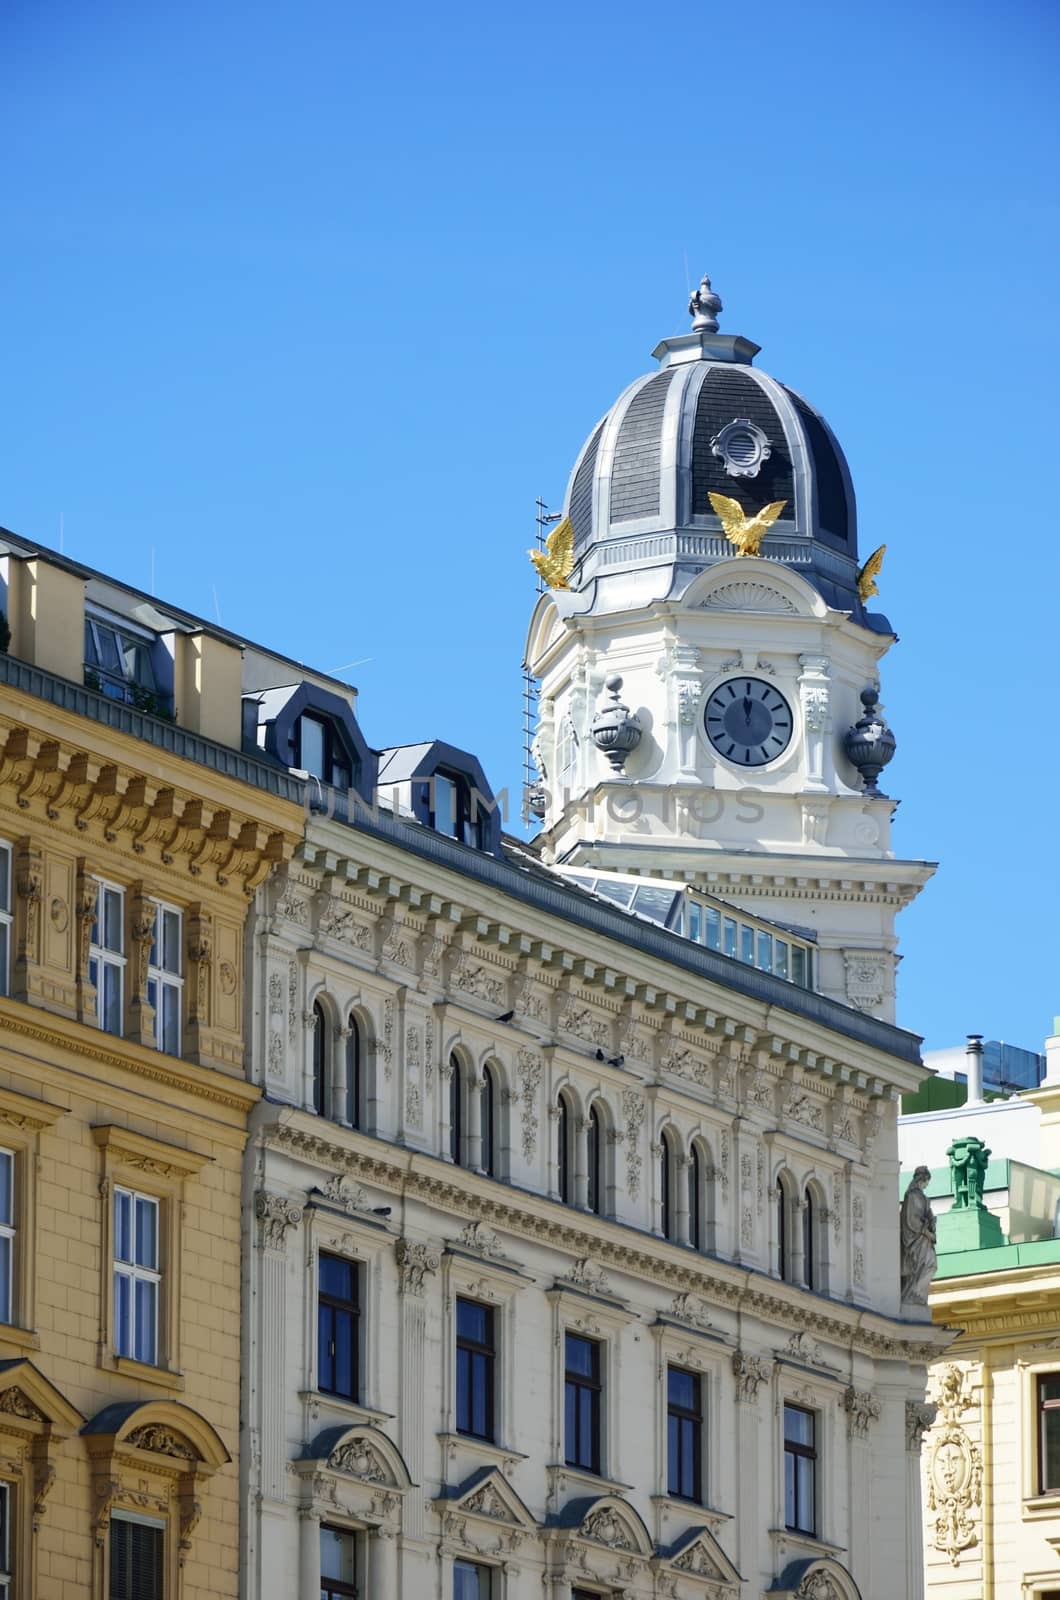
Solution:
(968, 1161)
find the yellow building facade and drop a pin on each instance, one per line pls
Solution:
(132, 832)
(991, 1435)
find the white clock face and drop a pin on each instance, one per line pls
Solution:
(748, 722)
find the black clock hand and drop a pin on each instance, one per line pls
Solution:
(747, 704)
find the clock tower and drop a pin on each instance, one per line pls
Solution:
(709, 663)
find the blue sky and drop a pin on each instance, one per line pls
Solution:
(306, 304)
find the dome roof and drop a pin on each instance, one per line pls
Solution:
(708, 422)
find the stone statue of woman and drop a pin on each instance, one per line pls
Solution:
(918, 1240)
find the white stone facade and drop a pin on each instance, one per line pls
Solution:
(796, 839)
(426, 961)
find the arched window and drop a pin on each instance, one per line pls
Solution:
(667, 1207)
(490, 1100)
(809, 1263)
(354, 1056)
(564, 1164)
(456, 1111)
(594, 1143)
(320, 1059)
(696, 1229)
(815, 1239)
(787, 1243)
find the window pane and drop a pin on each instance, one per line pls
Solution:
(695, 921)
(713, 921)
(444, 805)
(146, 1232)
(146, 1302)
(345, 1354)
(798, 966)
(472, 1321)
(112, 929)
(1050, 1450)
(789, 1490)
(764, 958)
(171, 942)
(170, 1036)
(747, 944)
(122, 1226)
(470, 1581)
(730, 936)
(1049, 1387)
(336, 1277)
(804, 1472)
(780, 958)
(4, 969)
(111, 1000)
(798, 1425)
(7, 1174)
(312, 746)
(581, 1355)
(123, 1314)
(6, 1263)
(5, 880)
(107, 643)
(684, 1389)
(338, 1555)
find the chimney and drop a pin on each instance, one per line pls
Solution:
(974, 1068)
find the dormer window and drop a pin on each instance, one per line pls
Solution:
(321, 751)
(118, 664)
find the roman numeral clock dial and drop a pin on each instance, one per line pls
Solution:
(748, 722)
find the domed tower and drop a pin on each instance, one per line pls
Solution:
(709, 668)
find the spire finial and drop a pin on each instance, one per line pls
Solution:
(703, 308)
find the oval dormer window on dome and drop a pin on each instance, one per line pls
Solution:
(742, 446)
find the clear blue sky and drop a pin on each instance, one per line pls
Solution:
(312, 301)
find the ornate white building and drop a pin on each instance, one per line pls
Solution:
(572, 1257)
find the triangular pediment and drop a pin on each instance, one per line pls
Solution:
(27, 1396)
(487, 1493)
(697, 1554)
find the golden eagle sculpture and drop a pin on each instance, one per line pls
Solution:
(745, 532)
(555, 562)
(867, 586)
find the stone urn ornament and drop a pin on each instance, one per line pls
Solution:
(870, 744)
(615, 729)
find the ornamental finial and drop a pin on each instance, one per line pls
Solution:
(703, 308)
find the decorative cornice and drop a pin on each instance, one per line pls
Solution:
(92, 793)
(104, 1050)
(659, 1263)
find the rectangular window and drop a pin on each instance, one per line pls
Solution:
(7, 1236)
(5, 918)
(338, 1328)
(338, 1563)
(747, 944)
(1049, 1433)
(165, 978)
(474, 1369)
(106, 956)
(582, 1390)
(713, 921)
(695, 922)
(137, 1278)
(472, 1581)
(7, 1586)
(730, 936)
(136, 1559)
(684, 1424)
(800, 1470)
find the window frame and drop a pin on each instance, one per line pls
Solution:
(134, 1273)
(476, 1351)
(337, 1588)
(9, 1231)
(354, 1310)
(158, 1171)
(355, 1055)
(331, 741)
(105, 958)
(481, 1568)
(8, 1540)
(321, 1060)
(566, 1155)
(797, 1451)
(693, 1416)
(594, 1387)
(1041, 1408)
(133, 1519)
(163, 978)
(595, 1141)
(489, 1121)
